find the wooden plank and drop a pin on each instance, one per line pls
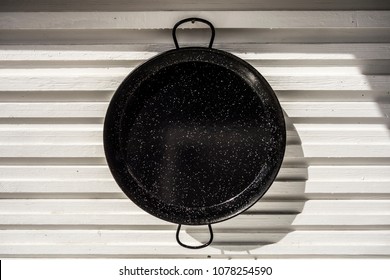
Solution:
(91, 186)
(86, 150)
(96, 150)
(126, 207)
(366, 19)
(195, 37)
(92, 80)
(267, 71)
(98, 109)
(336, 109)
(157, 20)
(350, 189)
(364, 82)
(280, 190)
(173, 250)
(189, 5)
(29, 134)
(51, 172)
(51, 134)
(340, 150)
(115, 243)
(308, 71)
(51, 150)
(22, 130)
(166, 19)
(255, 222)
(341, 173)
(151, 237)
(85, 96)
(108, 242)
(349, 173)
(303, 96)
(53, 110)
(79, 79)
(283, 95)
(342, 133)
(140, 52)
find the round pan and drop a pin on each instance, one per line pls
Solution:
(194, 135)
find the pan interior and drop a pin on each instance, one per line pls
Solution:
(196, 134)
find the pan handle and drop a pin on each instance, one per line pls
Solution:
(194, 247)
(193, 19)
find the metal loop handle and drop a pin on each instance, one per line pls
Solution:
(194, 247)
(193, 21)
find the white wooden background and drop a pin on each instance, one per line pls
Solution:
(61, 61)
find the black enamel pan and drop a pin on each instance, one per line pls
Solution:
(194, 135)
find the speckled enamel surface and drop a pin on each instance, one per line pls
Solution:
(194, 136)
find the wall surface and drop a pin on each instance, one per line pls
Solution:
(328, 61)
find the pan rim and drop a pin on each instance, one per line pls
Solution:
(188, 215)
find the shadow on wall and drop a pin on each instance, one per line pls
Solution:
(383, 103)
(271, 218)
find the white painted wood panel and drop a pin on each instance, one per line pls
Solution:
(328, 61)
(93, 133)
(108, 242)
(74, 150)
(125, 207)
(141, 52)
(109, 79)
(281, 190)
(164, 249)
(322, 182)
(98, 109)
(185, 5)
(158, 20)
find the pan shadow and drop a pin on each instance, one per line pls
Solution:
(262, 225)
(271, 218)
(384, 106)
